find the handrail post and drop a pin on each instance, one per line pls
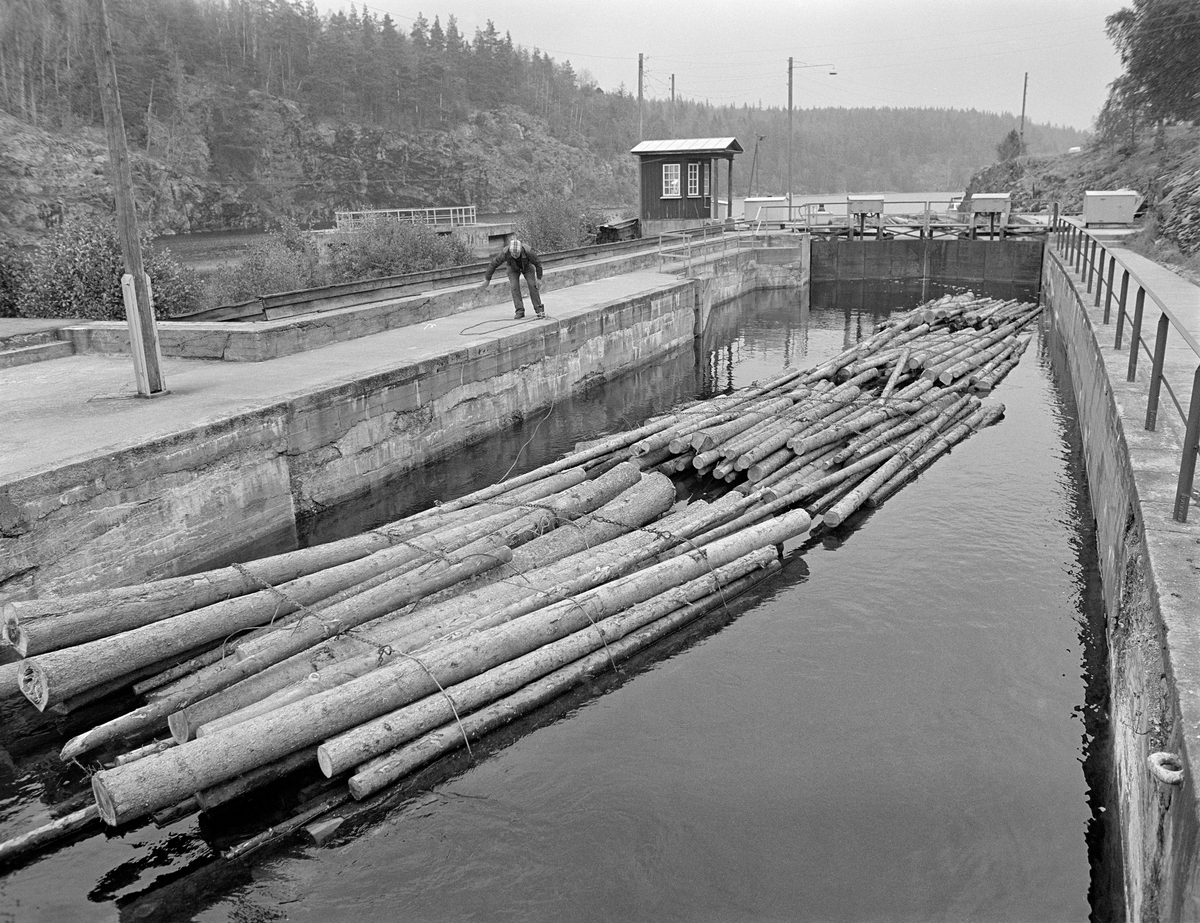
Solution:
(1091, 263)
(1122, 301)
(1112, 267)
(1191, 442)
(1100, 276)
(1135, 336)
(1077, 251)
(1160, 357)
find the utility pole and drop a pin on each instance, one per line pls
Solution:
(789, 169)
(672, 105)
(1021, 136)
(139, 309)
(640, 96)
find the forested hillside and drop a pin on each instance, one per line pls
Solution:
(242, 113)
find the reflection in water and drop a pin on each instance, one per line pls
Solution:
(891, 729)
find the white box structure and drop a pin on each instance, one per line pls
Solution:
(1115, 206)
(991, 203)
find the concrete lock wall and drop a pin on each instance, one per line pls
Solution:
(947, 261)
(1160, 831)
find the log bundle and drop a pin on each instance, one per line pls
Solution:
(372, 656)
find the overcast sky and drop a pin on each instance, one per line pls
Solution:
(962, 54)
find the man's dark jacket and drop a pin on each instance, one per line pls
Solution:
(518, 264)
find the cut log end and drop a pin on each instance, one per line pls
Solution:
(16, 637)
(32, 681)
(9, 626)
(325, 761)
(104, 802)
(180, 727)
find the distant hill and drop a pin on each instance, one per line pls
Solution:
(244, 114)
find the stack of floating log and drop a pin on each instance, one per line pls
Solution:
(375, 655)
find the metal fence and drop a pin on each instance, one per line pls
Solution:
(700, 243)
(1097, 266)
(454, 216)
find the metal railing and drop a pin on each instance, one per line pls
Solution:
(1090, 259)
(697, 243)
(832, 213)
(454, 216)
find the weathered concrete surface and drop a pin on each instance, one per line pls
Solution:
(1150, 566)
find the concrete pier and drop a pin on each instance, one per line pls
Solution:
(1150, 566)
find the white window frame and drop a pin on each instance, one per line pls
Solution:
(670, 178)
(707, 171)
(693, 180)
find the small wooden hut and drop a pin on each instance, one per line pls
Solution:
(680, 180)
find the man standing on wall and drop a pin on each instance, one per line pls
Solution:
(522, 261)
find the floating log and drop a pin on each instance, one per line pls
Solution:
(20, 846)
(256, 778)
(128, 792)
(328, 665)
(58, 675)
(45, 679)
(39, 625)
(978, 420)
(563, 580)
(155, 713)
(818, 458)
(69, 620)
(406, 759)
(370, 739)
(10, 687)
(837, 514)
(287, 827)
(897, 371)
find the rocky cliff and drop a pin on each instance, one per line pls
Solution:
(1166, 173)
(234, 160)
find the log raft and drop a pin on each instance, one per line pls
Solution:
(374, 655)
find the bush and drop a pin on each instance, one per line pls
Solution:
(13, 267)
(77, 272)
(293, 259)
(391, 248)
(549, 222)
(287, 261)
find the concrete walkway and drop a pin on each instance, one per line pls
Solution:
(83, 406)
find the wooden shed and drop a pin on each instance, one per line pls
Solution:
(680, 179)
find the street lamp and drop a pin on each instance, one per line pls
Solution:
(832, 73)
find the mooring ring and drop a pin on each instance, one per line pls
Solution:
(1166, 767)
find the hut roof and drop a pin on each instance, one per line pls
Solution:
(689, 146)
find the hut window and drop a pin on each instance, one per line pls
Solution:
(670, 181)
(693, 179)
(706, 166)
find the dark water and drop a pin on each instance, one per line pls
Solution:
(908, 724)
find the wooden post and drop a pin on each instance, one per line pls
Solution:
(729, 190)
(139, 309)
(789, 144)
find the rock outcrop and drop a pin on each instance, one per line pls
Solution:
(229, 160)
